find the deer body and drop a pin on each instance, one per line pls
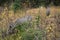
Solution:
(17, 22)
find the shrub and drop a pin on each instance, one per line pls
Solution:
(28, 33)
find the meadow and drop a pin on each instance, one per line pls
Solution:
(48, 25)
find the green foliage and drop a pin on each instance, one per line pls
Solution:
(17, 5)
(27, 36)
(33, 3)
(56, 2)
(38, 18)
(22, 27)
(2, 2)
(38, 21)
(29, 33)
(32, 35)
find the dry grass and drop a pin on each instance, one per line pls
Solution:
(37, 11)
(33, 12)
